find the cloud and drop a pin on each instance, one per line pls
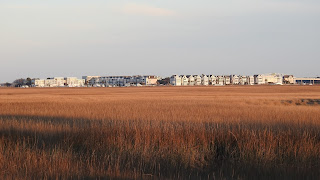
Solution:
(146, 10)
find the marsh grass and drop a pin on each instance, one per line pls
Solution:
(159, 133)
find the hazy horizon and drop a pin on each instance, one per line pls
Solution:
(76, 38)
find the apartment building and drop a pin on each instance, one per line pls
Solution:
(38, 82)
(58, 82)
(243, 80)
(175, 80)
(212, 79)
(204, 80)
(259, 79)
(227, 80)
(150, 80)
(74, 82)
(250, 80)
(190, 80)
(289, 79)
(220, 80)
(234, 79)
(184, 80)
(197, 80)
(118, 81)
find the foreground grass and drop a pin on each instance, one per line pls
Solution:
(135, 133)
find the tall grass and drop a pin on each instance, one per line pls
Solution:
(159, 133)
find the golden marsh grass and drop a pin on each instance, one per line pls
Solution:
(235, 132)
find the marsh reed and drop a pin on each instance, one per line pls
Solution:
(247, 132)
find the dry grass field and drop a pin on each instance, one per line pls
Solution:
(236, 132)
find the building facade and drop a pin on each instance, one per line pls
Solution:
(175, 80)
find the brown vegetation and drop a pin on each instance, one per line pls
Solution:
(160, 132)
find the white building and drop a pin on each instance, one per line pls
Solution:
(289, 79)
(94, 81)
(227, 80)
(220, 80)
(150, 80)
(88, 78)
(204, 80)
(234, 79)
(243, 80)
(50, 82)
(58, 82)
(38, 82)
(250, 80)
(74, 82)
(184, 80)
(175, 80)
(190, 80)
(197, 80)
(272, 78)
(259, 79)
(212, 80)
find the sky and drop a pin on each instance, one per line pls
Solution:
(41, 39)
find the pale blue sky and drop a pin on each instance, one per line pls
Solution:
(162, 37)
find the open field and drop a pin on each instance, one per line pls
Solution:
(235, 132)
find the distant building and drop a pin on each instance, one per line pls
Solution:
(88, 78)
(234, 79)
(220, 80)
(94, 81)
(307, 80)
(204, 80)
(175, 80)
(184, 80)
(190, 80)
(273, 78)
(197, 80)
(250, 80)
(212, 80)
(227, 80)
(243, 80)
(38, 82)
(73, 82)
(259, 79)
(289, 79)
(58, 82)
(50, 82)
(119, 81)
(150, 80)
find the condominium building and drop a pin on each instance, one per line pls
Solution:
(289, 79)
(204, 80)
(58, 82)
(234, 79)
(197, 80)
(175, 80)
(227, 80)
(250, 80)
(243, 80)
